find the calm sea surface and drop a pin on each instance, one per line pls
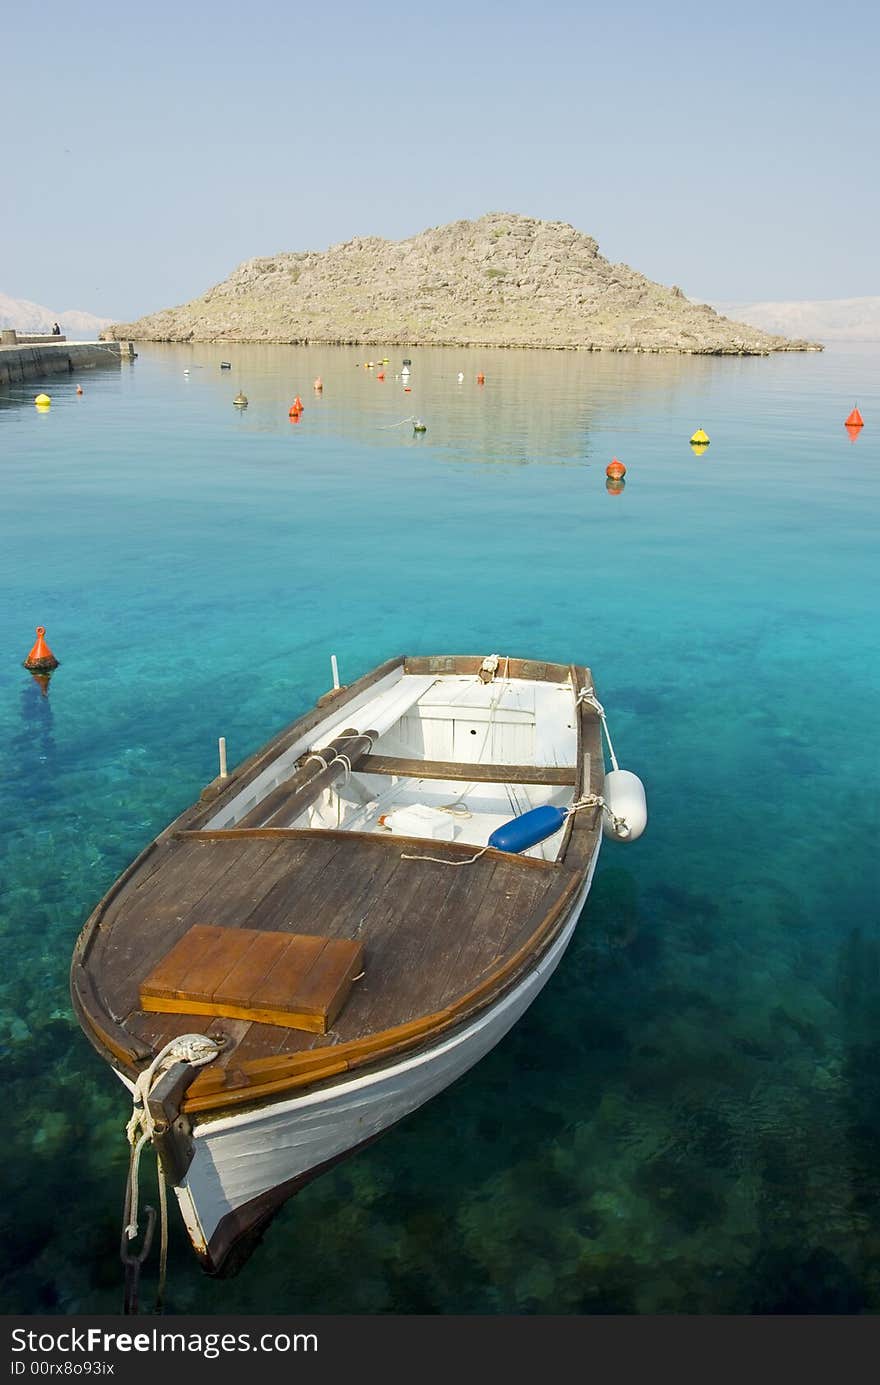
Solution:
(688, 1118)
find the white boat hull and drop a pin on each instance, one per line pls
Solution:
(241, 1158)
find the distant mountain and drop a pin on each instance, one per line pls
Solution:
(32, 317)
(822, 319)
(502, 280)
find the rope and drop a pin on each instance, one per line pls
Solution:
(196, 1049)
(384, 426)
(589, 801)
(587, 695)
(594, 800)
(133, 1263)
(163, 1242)
(439, 861)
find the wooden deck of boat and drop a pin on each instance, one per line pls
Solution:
(430, 931)
(439, 940)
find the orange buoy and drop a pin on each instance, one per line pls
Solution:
(854, 420)
(319, 384)
(481, 379)
(41, 659)
(380, 375)
(407, 389)
(615, 470)
(79, 389)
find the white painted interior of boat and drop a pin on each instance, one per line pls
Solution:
(356, 712)
(474, 810)
(449, 717)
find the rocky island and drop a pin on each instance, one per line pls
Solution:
(502, 280)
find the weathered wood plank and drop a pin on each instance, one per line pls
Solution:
(250, 972)
(470, 664)
(378, 841)
(211, 886)
(467, 773)
(167, 977)
(292, 965)
(304, 989)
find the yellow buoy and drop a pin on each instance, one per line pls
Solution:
(42, 399)
(700, 436)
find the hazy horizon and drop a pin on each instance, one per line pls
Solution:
(728, 155)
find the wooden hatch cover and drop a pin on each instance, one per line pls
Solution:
(292, 979)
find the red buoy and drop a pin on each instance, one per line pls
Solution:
(854, 420)
(41, 659)
(615, 469)
(481, 379)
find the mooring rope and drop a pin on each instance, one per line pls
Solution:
(588, 695)
(196, 1049)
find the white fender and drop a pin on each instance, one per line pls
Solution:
(624, 793)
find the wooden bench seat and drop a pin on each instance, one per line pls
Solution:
(465, 773)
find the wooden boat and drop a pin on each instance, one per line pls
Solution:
(333, 930)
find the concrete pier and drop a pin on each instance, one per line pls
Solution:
(53, 357)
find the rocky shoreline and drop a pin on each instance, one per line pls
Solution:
(501, 281)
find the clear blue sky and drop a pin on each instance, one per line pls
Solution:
(149, 149)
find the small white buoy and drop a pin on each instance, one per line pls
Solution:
(624, 795)
(460, 376)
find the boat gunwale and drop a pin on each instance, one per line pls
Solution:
(342, 834)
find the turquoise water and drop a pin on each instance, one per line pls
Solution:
(688, 1118)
